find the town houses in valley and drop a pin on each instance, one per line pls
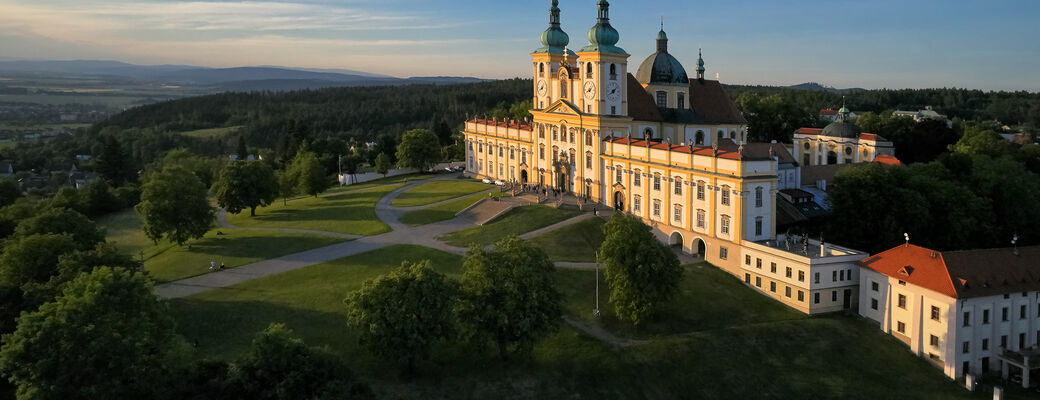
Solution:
(671, 148)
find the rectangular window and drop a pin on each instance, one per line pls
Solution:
(841, 275)
(588, 161)
(985, 317)
(635, 203)
(678, 187)
(680, 100)
(678, 214)
(834, 295)
(787, 291)
(662, 99)
(772, 287)
(617, 175)
(758, 198)
(985, 344)
(966, 347)
(758, 281)
(1021, 341)
(1004, 314)
(789, 272)
(816, 298)
(801, 296)
(967, 316)
(900, 327)
(747, 259)
(772, 267)
(700, 191)
(834, 276)
(657, 209)
(816, 277)
(512, 154)
(902, 302)
(1022, 312)
(723, 253)
(874, 286)
(637, 179)
(758, 226)
(935, 315)
(725, 225)
(541, 153)
(801, 276)
(1003, 341)
(500, 151)
(873, 304)
(523, 157)
(657, 182)
(933, 340)
(747, 278)
(725, 196)
(700, 219)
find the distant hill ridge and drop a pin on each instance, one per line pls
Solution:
(237, 78)
(813, 86)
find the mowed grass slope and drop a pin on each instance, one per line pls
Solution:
(234, 247)
(433, 192)
(344, 212)
(731, 343)
(574, 243)
(517, 221)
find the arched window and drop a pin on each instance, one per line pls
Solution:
(733, 136)
(588, 138)
(648, 133)
(719, 139)
(541, 68)
(556, 134)
(588, 70)
(613, 72)
(699, 138)
(541, 131)
(572, 135)
(563, 87)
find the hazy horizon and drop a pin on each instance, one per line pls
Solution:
(843, 44)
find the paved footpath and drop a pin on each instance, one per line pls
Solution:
(423, 235)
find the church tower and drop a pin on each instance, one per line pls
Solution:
(548, 59)
(603, 68)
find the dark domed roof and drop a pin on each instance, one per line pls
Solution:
(843, 129)
(662, 68)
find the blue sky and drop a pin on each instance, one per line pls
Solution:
(990, 44)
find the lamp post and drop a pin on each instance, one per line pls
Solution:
(595, 312)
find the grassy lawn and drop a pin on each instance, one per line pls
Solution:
(731, 343)
(517, 221)
(235, 247)
(575, 243)
(346, 212)
(432, 192)
(444, 211)
(212, 132)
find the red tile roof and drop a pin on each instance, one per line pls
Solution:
(961, 274)
(510, 124)
(730, 154)
(827, 111)
(886, 159)
(809, 131)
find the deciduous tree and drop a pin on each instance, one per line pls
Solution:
(401, 315)
(245, 184)
(174, 205)
(106, 337)
(419, 149)
(508, 295)
(82, 230)
(308, 174)
(383, 164)
(641, 271)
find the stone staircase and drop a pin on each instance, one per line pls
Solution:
(487, 210)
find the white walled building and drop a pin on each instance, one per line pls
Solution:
(971, 311)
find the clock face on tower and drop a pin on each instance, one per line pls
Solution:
(590, 90)
(613, 91)
(542, 88)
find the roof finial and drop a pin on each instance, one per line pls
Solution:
(907, 237)
(662, 22)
